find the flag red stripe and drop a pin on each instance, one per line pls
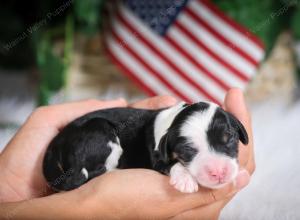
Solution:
(129, 74)
(148, 67)
(233, 24)
(172, 64)
(226, 42)
(210, 52)
(122, 66)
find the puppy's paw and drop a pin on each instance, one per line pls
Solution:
(182, 180)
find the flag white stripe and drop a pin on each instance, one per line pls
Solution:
(226, 53)
(151, 59)
(136, 68)
(182, 63)
(202, 57)
(232, 35)
(198, 52)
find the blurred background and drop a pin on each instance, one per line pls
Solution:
(53, 51)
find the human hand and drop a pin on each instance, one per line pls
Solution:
(160, 200)
(235, 104)
(21, 160)
(143, 194)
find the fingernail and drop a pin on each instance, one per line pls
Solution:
(242, 179)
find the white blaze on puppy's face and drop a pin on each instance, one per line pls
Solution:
(208, 167)
(164, 120)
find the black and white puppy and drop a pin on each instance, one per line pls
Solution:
(193, 143)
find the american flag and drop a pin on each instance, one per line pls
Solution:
(185, 48)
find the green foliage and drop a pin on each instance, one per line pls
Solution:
(50, 65)
(88, 13)
(296, 23)
(53, 67)
(44, 95)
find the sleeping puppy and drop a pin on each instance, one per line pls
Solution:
(192, 143)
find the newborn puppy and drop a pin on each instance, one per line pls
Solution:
(193, 143)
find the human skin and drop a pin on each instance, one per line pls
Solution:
(121, 194)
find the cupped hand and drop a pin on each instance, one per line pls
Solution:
(21, 160)
(127, 194)
(145, 194)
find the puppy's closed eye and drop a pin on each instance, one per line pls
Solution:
(225, 138)
(228, 137)
(185, 152)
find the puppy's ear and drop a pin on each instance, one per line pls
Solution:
(243, 135)
(164, 148)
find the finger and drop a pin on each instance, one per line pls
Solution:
(207, 212)
(242, 179)
(213, 209)
(155, 102)
(60, 115)
(241, 182)
(207, 196)
(235, 104)
(196, 201)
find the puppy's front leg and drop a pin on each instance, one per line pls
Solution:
(182, 180)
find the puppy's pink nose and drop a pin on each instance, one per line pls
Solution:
(217, 174)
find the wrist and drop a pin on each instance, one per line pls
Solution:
(91, 206)
(7, 192)
(56, 206)
(13, 184)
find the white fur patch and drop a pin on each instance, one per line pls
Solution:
(116, 152)
(196, 126)
(163, 121)
(182, 180)
(85, 172)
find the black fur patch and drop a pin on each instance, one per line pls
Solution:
(178, 147)
(183, 150)
(188, 111)
(84, 144)
(222, 135)
(79, 145)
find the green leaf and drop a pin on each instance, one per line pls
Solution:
(52, 65)
(296, 23)
(88, 13)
